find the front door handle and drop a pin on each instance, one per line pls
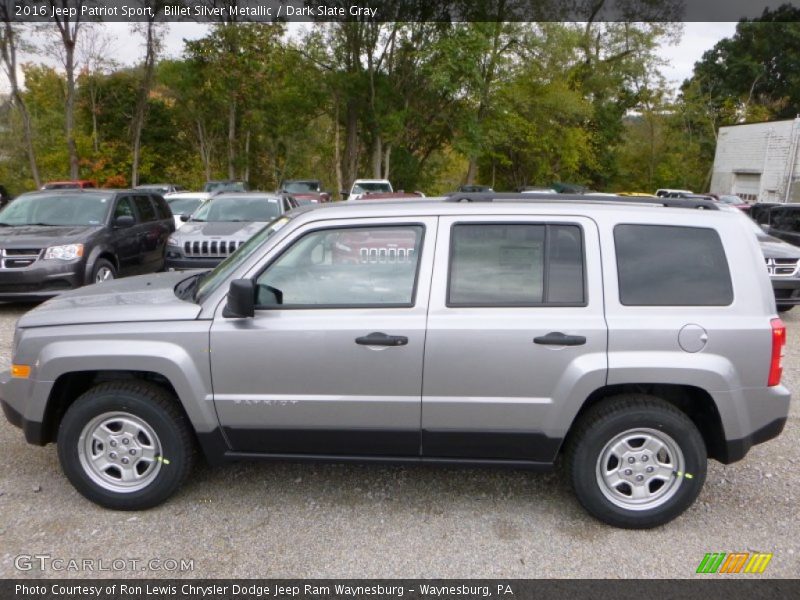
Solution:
(381, 339)
(556, 338)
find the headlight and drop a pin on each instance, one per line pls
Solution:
(173, 241)
(68, 252)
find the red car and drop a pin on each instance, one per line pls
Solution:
(305, 191)
(731, 200)
(74, 184)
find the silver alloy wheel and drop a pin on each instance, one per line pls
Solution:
(120, 452)
(103, 274)
(640, 469)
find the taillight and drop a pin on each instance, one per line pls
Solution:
(778, 343)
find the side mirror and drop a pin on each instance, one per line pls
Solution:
(241, 300)
(124, 221)
(185, 217)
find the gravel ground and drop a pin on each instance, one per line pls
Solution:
(301, 520)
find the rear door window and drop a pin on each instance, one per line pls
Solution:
(145, 208)
(516, 264)
(660, 265)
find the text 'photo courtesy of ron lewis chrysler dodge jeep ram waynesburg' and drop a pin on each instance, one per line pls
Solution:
(630, 339)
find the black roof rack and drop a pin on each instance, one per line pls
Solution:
(509, 196)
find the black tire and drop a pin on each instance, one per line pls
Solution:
(99, 265)
(782, 308)
(157, 409)
(621, 414)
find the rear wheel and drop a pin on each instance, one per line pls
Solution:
(125, 445)
(785, 307)
(636, 461)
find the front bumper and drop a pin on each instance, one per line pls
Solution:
(182, 263)
(787, 290)
(33, 428)
(43, 279)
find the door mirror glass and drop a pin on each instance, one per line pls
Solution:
(241, 300)
(185, 217)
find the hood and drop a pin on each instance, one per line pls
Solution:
(772, 247)
(38, 236)
(242, 230)
(143, 298)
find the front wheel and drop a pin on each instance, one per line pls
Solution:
(636, 461)
(125, 445)
(103, 271)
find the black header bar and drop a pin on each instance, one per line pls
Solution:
(267, 11)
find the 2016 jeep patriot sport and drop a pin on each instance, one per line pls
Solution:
(612, 333)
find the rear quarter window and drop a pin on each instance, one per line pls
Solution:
(660, 265)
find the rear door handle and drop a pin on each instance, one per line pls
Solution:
(381, 339)
(556, 338)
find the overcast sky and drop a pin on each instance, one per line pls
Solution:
(680, 57)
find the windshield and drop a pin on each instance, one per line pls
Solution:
(61, 209)
(238, 208)
(302, 186)
(220, 186)
(183, 206)
(731, 200)
(374, 186)
(212, 280)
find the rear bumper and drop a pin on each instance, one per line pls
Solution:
(736, 450)
(43, 279)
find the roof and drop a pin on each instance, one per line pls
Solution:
(478, 204)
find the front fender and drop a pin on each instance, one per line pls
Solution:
(189, 376)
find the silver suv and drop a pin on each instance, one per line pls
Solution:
(631, 339)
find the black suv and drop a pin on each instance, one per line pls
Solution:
(52, 241)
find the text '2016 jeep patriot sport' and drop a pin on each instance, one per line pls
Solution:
(494, 331)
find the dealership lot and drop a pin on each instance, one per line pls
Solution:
(317, 520)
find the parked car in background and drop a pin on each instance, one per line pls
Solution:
(305, 191)
(613, 338)
(783, 266)
(77, 184)
(220, 226)
(732, 200)
(636, 195)
(5, 197)
(54, 241)
(474, 189)
(365, 186)
(185, 203)
(665, 192)
(784, 223)
(161, 188)
(760, 212)
(391, 195)
(535, 189)
(224, 185)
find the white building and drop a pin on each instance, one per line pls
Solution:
(759, 161)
